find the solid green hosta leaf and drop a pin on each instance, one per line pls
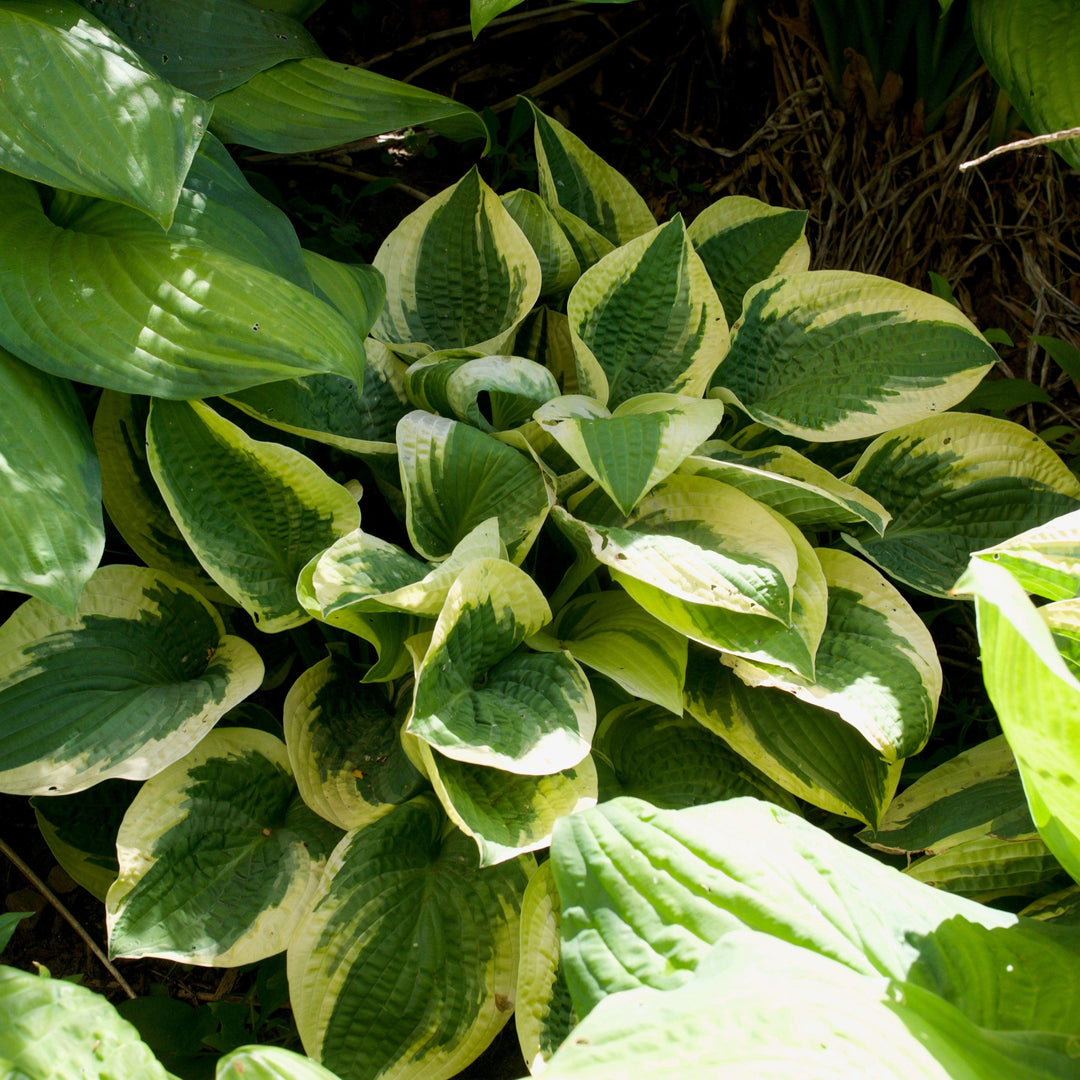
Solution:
(459, 273)
(579, 181)
(1037, 699)
(153, 315)
(673, 761)
(218, 856)
(631, 450)
(876, 665)
(544, 1014)
(1045, 560)
(81, 831)
(558, 263)
(344, 749)
(646, 892)
(269, 1063)
(50, 488)
(455, 477)
(481, 699)
(54, 1027)
(82, 112)
(831, 354)
(505, 813)
(610, 633)
(805, 493)
(206, 46)
(1032, 51)
(253, 512)
(809, 751)
(357, 290)
(646, 318)
(122, 689)
(956, 484)
(313, 104)
(454, 383)
(132, 498)
(989, 868)
(743, 241)
(406, 964)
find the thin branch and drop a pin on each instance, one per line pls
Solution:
(76, 925)
(359, 174)
(1023, 144)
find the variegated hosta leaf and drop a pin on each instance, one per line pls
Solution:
(82, 112)
(123, 688)
(132, 498)
(206, 46)
(269, 1063)
(81, 831)
(218, 856)
(1045, 560)
(558, 264)
(955, 484)
(508, 814)
(805, 493)
(1061, 906)
(809, 751)
(876, 664)
(153, 315)
(631, 450)
(544, 336)
(313, 104)
(357, 290)
(743, 241)
(588, 246)
(759, 638)
(364, 574)
(344, 749)
(828, 355)
(609, 632)
(579, 181)
(253, 512)
(544, 1013)
(512, 387)
(673, 761)
(459, 273)
(480, 698)
(406, 963)
(455, 477)
(50, 488)
(646, 319)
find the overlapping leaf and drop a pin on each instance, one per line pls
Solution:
(253, 512)
(269, 1063)
(218, 856)
(123, 688)
(956, 484)
(1045, 559)
(829, 355)
(558, 263)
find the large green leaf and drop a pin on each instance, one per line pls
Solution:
(1037, 699)
(313, 104)
(631, 450)
(955, 484)
(459, 273)
(153, 315)
(646, 318)
(1033, 51)
(406, 964)
(206, 46)
(123, 688)
(481, 698)
(56, 1028)
(342, 738)
(82, 112)
(218, 856)
(1045, 560)
(743, 241)
(455, 478)
(830, 354)
(579, 181)
(50, 488)
(253, 512)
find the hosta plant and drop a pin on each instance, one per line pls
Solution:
(550, 505)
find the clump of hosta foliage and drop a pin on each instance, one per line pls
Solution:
(579, 506)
